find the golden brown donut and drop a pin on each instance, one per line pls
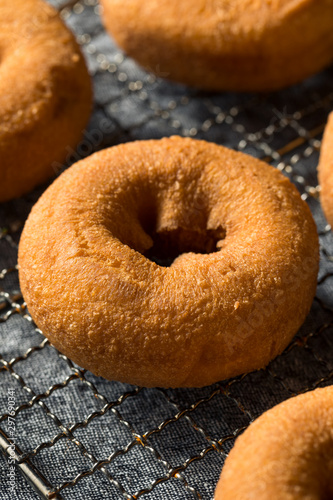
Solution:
(287, 453)
(45, 94)
(90, 287)
(237, 45)
(325, 171)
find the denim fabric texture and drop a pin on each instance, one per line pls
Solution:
(94, 439)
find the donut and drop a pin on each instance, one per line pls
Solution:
(238, 45)
(45, 94)
(325, 171)
(287, 453)
(172, 263)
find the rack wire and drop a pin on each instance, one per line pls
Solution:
(78, 436)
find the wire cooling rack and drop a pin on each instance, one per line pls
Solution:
(74, 435)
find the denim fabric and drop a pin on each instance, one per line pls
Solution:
(143, 453)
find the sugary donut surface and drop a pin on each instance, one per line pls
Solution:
(237, 45)
(287, 453)
(45, 94)
(90, 287)
(325, 171)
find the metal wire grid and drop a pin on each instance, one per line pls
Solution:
(208, 420)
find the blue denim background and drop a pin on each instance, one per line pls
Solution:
(168, 444)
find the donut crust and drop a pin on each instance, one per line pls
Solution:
(207, 317)
(325, 171)
(286, 453)
(45, 94)
(236, 45)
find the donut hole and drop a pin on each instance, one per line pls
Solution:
(172, 237)
(171, 242)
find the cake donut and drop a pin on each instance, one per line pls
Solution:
(238, 45)
(287, 453)
(243, 248)
(325, 171)
(45, 94)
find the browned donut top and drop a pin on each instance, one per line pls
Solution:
(83, 270)
(237, 45)
(45, 94)
(287, 453)
(325, 171)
